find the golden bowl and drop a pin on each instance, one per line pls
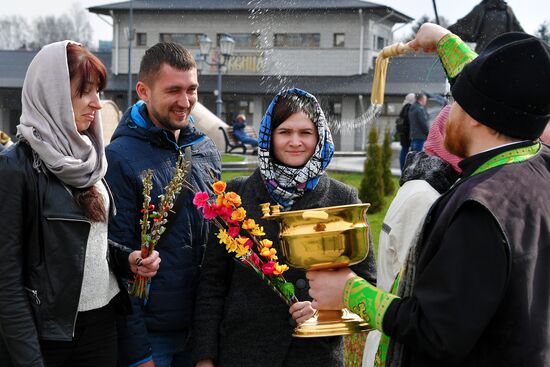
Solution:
(323, 238)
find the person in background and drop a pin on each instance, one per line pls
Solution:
(241, 321)
(151, 135)
(479, 284)
(426, 176)
(419, 121)
(238, 130)
(60, 286)
(403, 128)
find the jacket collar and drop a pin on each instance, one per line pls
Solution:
(136, 123)
(470, 164)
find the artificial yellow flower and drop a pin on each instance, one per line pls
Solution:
(231, 245)
(243, 244)
(258, 231)
(241, 251)
(224, 237)
(242, 240)
(219, 187)
(239, 214)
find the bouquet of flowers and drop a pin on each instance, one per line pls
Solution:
(230, 217)
(153, 221)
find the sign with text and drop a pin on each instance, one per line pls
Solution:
(242, 64)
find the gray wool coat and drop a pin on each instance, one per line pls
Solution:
(239, 321)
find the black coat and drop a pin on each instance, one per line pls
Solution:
(43, 247)
(481, 295)
(239, 320)
(418, 122)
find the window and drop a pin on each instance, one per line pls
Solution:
(242, 40)
(141, 39)
(297, 40)
(379, 42)
(339, 40)
(185, 39)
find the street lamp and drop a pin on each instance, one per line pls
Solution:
(227, 43)
(130, 38)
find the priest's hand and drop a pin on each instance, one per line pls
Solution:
(427, 37)
(326, 287)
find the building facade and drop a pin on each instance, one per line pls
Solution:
(324, 46)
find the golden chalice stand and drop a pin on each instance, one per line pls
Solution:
(320, 239)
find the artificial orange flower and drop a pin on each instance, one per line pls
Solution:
(249, 224)
(266, 243)
(219, 187)
(239, 214)
(279, 269)
(233, 199)
(220, 201)
(269, 253)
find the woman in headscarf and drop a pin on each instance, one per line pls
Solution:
(58, 291)
(239, 320)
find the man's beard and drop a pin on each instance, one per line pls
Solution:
(168, 124)
(456, 141)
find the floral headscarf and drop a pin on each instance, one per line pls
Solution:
(286, 184)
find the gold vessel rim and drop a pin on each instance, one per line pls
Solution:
(326, 208)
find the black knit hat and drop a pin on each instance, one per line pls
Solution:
(507, 87)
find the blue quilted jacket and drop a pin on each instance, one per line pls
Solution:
(135, 146)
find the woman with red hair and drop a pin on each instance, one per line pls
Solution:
(60, 287)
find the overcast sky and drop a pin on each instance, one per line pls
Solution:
(531, 13)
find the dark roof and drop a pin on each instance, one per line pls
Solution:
(405, 74)
(13, 67)
(249, 5)
(14, 64)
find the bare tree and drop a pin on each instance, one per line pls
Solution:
(73, 25)
(15, 32)
(83, 31)
(543, 32)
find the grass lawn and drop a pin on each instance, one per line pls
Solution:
(228, 158)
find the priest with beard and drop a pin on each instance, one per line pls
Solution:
(476, 292)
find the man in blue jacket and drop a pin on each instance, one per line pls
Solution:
(151, 135)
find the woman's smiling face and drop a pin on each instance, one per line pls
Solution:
(294, 140)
